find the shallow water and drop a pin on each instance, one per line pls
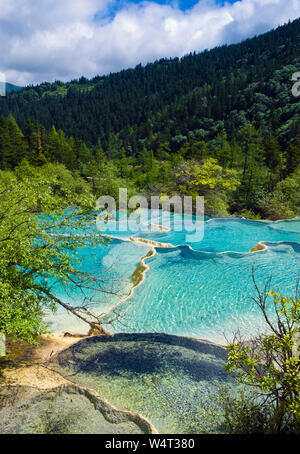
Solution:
(219, 234)
(174, 382)
(114, 264)
(232, 234)
(197, 289)
(62, 410)
(209, 295)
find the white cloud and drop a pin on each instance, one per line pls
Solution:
(62, 39)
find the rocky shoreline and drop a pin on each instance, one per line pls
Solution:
(29, 387)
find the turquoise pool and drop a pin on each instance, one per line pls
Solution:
(199, 289)
(208, 295)
(114, 264)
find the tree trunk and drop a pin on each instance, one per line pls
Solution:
(276, 423)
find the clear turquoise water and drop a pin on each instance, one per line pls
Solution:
(220, 234)
(209, 295)
(196, 289)
(232, 234)
(114, 264)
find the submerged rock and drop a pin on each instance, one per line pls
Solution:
(171, 380)
(258, 247)
(66, 409)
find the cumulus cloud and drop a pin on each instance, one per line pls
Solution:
(63, 39)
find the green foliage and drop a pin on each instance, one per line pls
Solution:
(284, 201)
(13, 147)
(233, 176)
(271, 363)
(32, 254)
(207, 178)
(249, 214)
(254, 174)
(243, 414)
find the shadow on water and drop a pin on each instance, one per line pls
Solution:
(132, 355)
(145, 359)
(172, 380)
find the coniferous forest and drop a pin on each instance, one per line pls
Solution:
(223, 123)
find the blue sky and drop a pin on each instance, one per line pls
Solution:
(182, 4)
(47, 40)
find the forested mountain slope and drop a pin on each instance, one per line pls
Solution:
(224, 87)
(11, 87)
(223, 124)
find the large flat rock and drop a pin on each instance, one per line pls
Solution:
(66, 409)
